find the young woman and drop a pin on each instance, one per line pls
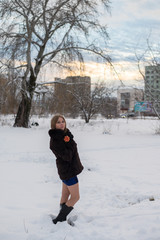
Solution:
(68, 165)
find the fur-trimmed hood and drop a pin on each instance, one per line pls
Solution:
(58, 134)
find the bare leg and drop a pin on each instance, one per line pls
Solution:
(74, 192)
(65, 193)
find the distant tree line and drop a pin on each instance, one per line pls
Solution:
(71, 102)
(9, 95)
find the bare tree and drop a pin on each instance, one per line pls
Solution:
(8, 94)
(43, 101)
(2, 92)
(37, 32)
(151, 76)
(90, 104)
(109, 107)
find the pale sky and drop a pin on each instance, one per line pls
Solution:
(130, 24)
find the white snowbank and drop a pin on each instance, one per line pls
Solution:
(121, 160)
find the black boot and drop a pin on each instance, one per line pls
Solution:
(61, 205)
(65, 210)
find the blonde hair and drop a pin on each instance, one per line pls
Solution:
(54, 120)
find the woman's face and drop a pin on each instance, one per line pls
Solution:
(60, 124)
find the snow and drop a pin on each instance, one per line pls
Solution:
(121, 177)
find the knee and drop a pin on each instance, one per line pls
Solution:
(76, 197)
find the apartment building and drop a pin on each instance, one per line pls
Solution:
(65, 91)
(152, 85)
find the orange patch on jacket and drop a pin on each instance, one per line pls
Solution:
(66, 138)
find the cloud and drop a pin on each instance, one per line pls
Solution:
(131, 24)
(122, 71)
(123, 11)
(130, 18)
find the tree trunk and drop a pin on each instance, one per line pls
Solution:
(87, 120)
(86, 117)
(22, 118)
(24, 109)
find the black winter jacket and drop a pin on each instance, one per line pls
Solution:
(65, 149)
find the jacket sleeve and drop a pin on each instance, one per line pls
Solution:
(61, 151)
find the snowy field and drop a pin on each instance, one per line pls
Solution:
(121, 176)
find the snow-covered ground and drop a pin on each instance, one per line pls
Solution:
(121, 176)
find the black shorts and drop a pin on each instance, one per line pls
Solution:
(71, 181)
